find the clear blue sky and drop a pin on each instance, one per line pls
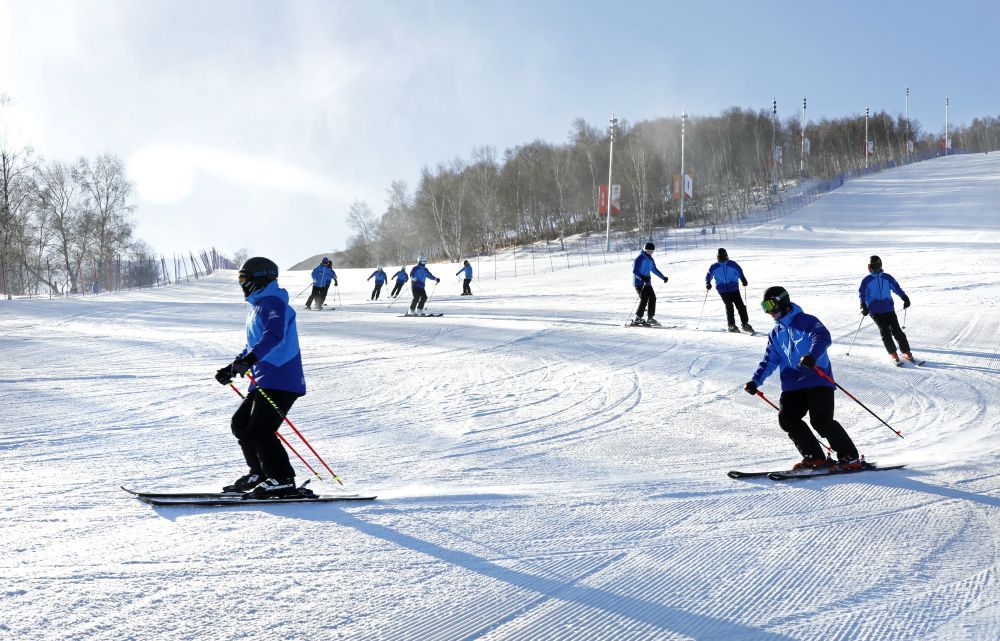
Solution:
(256, 124)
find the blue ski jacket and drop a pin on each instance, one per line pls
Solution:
(419, 274)
(379, 275)
(468, 271)
(794, 336)
(323, 276)
(728, 276)
(274, 340)
(400, 276)
(643, 266)
(876, 292)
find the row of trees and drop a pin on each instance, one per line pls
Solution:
(544, 192)
(56, 220)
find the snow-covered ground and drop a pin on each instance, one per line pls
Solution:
(542, 471)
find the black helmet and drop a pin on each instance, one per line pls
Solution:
(723, 255)
(256, 273)
(649, 247)
(776, 298)
(874, 264)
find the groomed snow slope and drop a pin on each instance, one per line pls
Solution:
(542, 471)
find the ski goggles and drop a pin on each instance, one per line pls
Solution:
(770, 305)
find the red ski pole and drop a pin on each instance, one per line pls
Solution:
(287, 444)
(823, 374)
(766, 400)
(294, 429)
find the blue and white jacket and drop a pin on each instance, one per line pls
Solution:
(728, 276)
(419, 274)
(274, 340)
(379, 275)
(876, 292)
(323, 276)
(643, 266)
(468, 271)
(794, 336)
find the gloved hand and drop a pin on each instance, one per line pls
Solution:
(439, 280)
(225, 375)
(645, 279)
(864, 309)
(744, 281)
(906, 302)
(807, 361)
(335, 284)
(708, 286)
(237, 368)
(665, 279)
(750, 388)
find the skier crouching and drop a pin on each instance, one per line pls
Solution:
(798, 344)
(272, 355)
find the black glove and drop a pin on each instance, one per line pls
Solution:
(238, 367)
(665, 279)
(807, 361)
(750, 388)
(708, 286)
(744, 281)
(335, 284)
(225, 375)
(439, 280)
(864, 309)
(906, 302)
(645, 279)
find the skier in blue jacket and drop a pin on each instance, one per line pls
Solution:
(467, 279)
(401, 277)
(876, 292)
(418, 276)
(273, 358)
(380, 278)
(797, 348)
(642, 270)
(322, 276)
(728, 275)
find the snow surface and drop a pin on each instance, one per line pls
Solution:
(542, 471)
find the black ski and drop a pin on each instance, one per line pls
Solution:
(420, 315)
(789, 475)
(216, 499)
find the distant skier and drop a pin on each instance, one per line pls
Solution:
(418, 276)
(322, 276)
(642, 269)
(272, 355)
(797, 346)
(380, 278)
(728, 275)
(401, 277)
(875, 293)
(467, 270)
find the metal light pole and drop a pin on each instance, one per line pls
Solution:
(611, 157)
(802, 151)
(684, 116)
(774, 161)
(906, 117)
(866, 137)
(946, 101)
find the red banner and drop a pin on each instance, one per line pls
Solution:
(602, 200)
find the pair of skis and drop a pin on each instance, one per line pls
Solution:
(216, 499)
(809, 473)
(420, 315)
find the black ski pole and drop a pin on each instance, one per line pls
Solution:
(768, 401)
(855, 336)
(824, 375)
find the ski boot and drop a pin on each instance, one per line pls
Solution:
(652, 322)
(909, 356)
(747, 328)
(811, 463)
(272, 488)
(638, 321)
(245, 483)
(734, 329)
(844, 464)
(895, 358)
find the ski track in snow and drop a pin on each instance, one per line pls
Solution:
(542, 471)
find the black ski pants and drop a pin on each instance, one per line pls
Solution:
(396, 288)
(377, 291)
(255, 424)
(733, 299)
(888, 325)
(818, 403)
(646, 297)
(419, 298)
(319, 295)
(466, 290)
